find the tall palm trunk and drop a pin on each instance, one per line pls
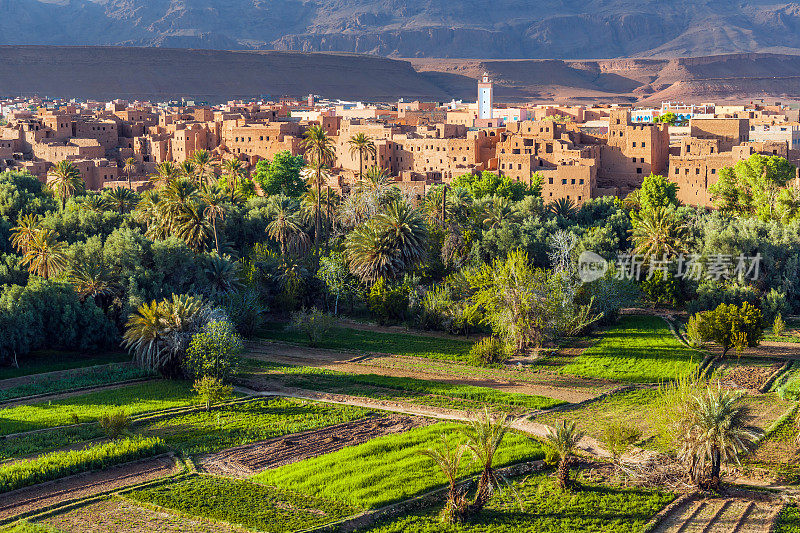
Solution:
(318, 218)
(716, 463)
(563, 472)
(216, 238)
(360, 163)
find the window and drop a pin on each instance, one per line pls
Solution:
(634, 144)
(639, 170)
(550, 181)
(572, 182)
(643, 144)
(580, 181)
(697, 171)
(676, 171)
(563, 181)
(713, 170)
(633, 159)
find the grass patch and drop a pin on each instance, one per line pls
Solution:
(89, 377)
(417, 391)
(133, 399)
(49, 440)
(777, 452)
(349, 339)
(640, 349)
(241, 502)
(28, 527)
(548, 509)
(42, 361)
(246, 422)
(59, 464)
(789, 519)
(385, 469)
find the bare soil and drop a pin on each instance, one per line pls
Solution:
(561, 387)
(82, 485)
(122, 516)
(244, 461)
(740, 375)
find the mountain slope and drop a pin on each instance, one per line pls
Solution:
(566, 29)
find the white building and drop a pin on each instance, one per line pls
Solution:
(485, 97)
(788, 132)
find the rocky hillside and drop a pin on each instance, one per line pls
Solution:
(564, 29)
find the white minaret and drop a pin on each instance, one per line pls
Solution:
(485, 97)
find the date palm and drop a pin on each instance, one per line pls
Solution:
(166, 171)
(148, 212)
(188, 169)
(130, 168)
(658, 232)
(234, 173)
(94, 202)
(285, 227)
(65, 180)
(192, 226)
(484, 437)
(717, 431)
(94, 279)
(23, 234)
(496, 210)
(121, 199)
(214, 200)
(563, 207)
(563, 440)
(404, 229)
(46, 256)
(175, 199)
(320, 153)
(448, 458)
(361, 144)
(203, 163)
(369, 256)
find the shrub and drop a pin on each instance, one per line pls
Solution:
(314, 324)
(731, 326)
(388, 302)
(214, 351)
(489, 351)
(244, 309)
(619, 438)
(114, 424)
(661, 289)
(778, 326)
(211, 390)
(693, 333)
(59, 464)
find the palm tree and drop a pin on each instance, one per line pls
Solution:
(192, 227)
(65, 179)
(175, 199)
(403, 228)
(369, 256)
(95, 280)
(166, 171)
(285, 227)
(130, 168)
(94, 202)
(149, 212)
(716, 431)
(563, 440)
(202, 160)
(319, 152)
(122, 199)
(46, 256)
(221, 274)
(484, 437)
(497, 209)
(563, 207)
(448, 458)
(214, 200)
(234, 172)
(187, 169)
(658, 232)
(23, 234)
(361, 144)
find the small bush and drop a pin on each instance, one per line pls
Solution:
(244, 309)
(694, 334)
(211, 390)
(619, 438)
(214, 351)
(661, 289)
(489, 351)
(114, 424)
(551, 456)
(388, 302)
(314, 324)
(778, 326)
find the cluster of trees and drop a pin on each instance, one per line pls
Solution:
(485, 252)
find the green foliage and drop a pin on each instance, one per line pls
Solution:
(752, 186)
(789, 519)
(211, 390)
(214, 351)
(314, 324)
(442, 309)
(778, 325)
(388, 301)
(135, 399)
(385, 469)
(661, 289)
(338, 280)
(658, 191)
(490, 184)
(731, 326)
(548, 509)
(241, 502)
(24, 526)
(114, 423)
(489, 351)
(21, 194)
(48, 314)
(641, 349)
(59, 464)
(281, 175)
(667, 118)
(245, 310)
(619, 438)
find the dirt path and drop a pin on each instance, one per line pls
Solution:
(736, 512)
(587, 444)
(541, 383)
(244, 461)
(82, 485)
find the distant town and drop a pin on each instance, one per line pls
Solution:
(576, 152)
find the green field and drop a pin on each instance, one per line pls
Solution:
(789, 520)
(43, 361)
(349, 339)
(242, 423)
(417, 391)
(75, 379)
(640, 349)
(547, 509)
(385, 469)
(133, 399)
(241, 502)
